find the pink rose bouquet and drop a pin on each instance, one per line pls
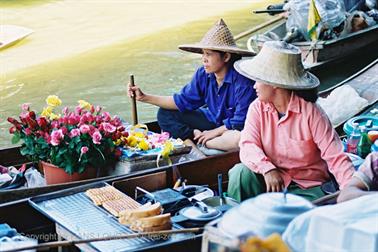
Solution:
(73, 140)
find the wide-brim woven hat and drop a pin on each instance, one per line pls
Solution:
(278, 64)
(218, 38)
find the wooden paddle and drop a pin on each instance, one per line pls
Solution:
(155, 234)
(134, 113)
(259, 27)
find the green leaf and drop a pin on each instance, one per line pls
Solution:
(16, 138)
(62, 151)
(76, 140)
(24, 151)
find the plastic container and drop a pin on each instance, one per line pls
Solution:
(373, 135)
(356, 236)
(353, 140)
(363, 148)
(374, 147)
(362, 121)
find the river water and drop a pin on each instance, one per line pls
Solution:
(87, 50)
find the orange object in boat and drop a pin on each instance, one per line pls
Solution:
(373, 135)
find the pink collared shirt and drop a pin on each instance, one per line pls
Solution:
(302, 145)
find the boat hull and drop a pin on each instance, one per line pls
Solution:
(320, 53)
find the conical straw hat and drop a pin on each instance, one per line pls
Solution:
(218, 38)
(278, 64)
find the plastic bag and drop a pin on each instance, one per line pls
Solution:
(343, 103)
(332, 14)
(34, 178)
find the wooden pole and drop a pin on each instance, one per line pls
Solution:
(118, 237)
(134, 112)
(259, 27)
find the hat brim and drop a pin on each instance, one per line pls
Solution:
(248, 69)
(197, 48)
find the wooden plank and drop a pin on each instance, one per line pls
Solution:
(205, 172)
(150, 182)
(11, 156)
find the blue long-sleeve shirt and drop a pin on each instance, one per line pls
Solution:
(226, 105)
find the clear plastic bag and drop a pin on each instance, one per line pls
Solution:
(34, 178)
(332, 13)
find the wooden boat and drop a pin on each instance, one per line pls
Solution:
(11, 34)
(316, 54)
(365, 82)
(12, 157)
(26, 219)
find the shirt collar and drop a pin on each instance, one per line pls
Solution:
(227, 79)
(294, 105)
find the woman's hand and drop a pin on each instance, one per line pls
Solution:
(139, 95)
(274, 181)
(206, 135)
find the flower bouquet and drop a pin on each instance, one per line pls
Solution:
(72, 140)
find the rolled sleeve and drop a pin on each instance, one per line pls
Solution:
(251, 152)
(227, 123)
(191, 96)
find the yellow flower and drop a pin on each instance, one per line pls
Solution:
(132, 141)
(84, 104)
(118, 142)
(139, 134)
(54, 116)
(47, 111)
(168, 147)
(53, 101)
(143, 145)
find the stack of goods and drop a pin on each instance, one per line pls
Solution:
(362, 132)
(146, 218)
(111, 199)
(141, 142)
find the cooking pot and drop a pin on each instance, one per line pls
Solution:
(199, 212)
(221, 203)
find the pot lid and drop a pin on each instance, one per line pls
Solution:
(264, 214)
(200, 212)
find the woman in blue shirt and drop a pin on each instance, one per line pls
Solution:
(212, 107)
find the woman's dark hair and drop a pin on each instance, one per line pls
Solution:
(310, 95)
(234, 57)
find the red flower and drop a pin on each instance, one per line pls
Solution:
(42, 122)
(32, 115)
(12, 130)
(12, 120)
(28, 131)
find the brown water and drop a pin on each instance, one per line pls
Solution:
(87, 49)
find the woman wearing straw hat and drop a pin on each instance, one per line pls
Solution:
(212, 107)
(288, 141)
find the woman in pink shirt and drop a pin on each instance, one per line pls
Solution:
(287, 141)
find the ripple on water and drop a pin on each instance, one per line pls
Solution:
(10, 89)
